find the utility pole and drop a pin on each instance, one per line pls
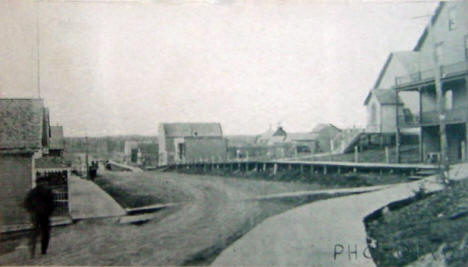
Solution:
(440, 103)
(444, 161)
(38, 57)
(86, 157)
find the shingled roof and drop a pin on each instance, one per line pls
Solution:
(21, 124)
(192, 129)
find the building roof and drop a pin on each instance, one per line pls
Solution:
(280, 132)
(384, 96)
(192, 129)
(324, 126)
(434, 18)
(408, 59)
(270, 137)
(21, 124)
(57, 141)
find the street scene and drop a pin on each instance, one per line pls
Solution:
(233, 133)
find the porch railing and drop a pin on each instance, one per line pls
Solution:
(432, 117)
(429, 74)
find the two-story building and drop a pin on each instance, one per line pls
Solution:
(441, 51)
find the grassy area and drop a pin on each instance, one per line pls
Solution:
(431, 225)
(323, 181)
(133, 190)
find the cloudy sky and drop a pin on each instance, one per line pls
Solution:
(121, 67)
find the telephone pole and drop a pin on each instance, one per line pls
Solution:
(38, 56)
(86, 157)
(440, 103)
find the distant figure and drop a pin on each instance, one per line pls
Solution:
(40, 203)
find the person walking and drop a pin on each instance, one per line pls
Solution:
(39, 203)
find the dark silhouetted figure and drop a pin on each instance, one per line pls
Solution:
(40, 203)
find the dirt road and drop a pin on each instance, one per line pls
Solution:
(209, 218)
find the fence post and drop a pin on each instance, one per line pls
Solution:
(356, 154)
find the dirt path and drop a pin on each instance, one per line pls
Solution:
(211, 217)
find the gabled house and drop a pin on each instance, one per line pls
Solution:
(381, 109)
(23, 138)
(190, 142)
(382, 101)
(271, 137)
(443, 49)
(305, 142)
(24, 156)
(325, 133)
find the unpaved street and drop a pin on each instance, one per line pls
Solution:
(210, 217)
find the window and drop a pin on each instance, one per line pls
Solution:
(452, 23)
(448, 98)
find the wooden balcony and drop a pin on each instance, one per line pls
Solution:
(429, 118)
(428, 75)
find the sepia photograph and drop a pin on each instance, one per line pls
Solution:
(234, 133)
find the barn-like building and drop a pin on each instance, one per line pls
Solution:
(191, 142)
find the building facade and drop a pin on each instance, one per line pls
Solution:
(442, 50)
(191, 142)
(24, 155)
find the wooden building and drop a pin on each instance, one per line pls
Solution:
(24, 144)
(441, 51)
(190, 142)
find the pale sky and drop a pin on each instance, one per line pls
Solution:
(123, 67)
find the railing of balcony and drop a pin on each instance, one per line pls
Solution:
(429, 74)
(408, 121)
(431, 117)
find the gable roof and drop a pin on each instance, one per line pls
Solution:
(325, 126)
(57, 141)
(273, 136)
(408, 59)
(280, 132)
(384, 96)
(192, 129)
(21, 124)
(434, 18)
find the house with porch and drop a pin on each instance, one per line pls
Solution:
(441, 51)
(190, 142)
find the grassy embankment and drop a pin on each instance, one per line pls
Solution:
(430, 226)
(323, 181)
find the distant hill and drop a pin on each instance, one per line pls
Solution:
(105, 144)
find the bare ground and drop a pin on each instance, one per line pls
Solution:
(210, 217)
